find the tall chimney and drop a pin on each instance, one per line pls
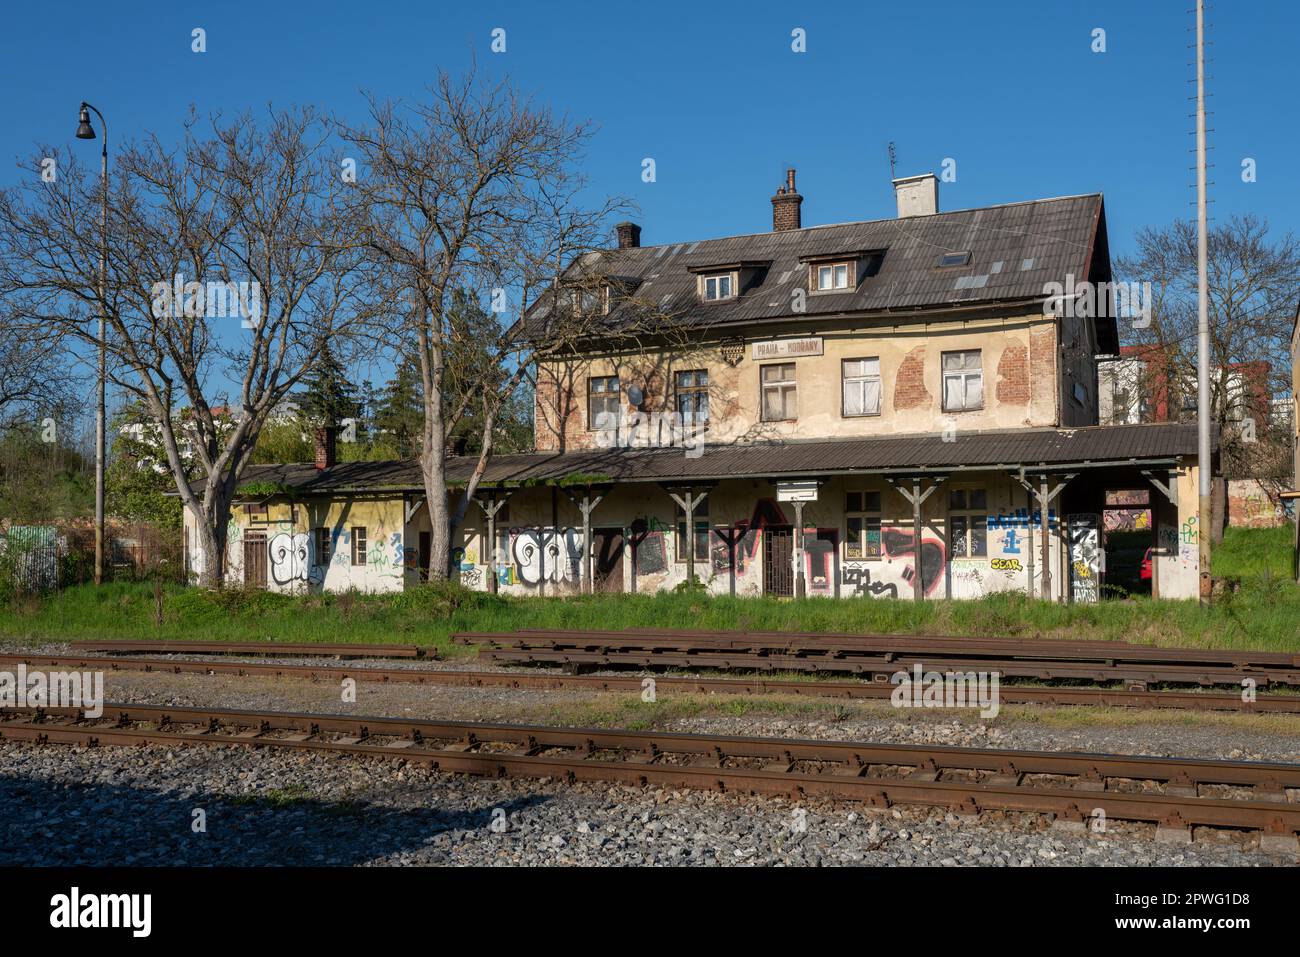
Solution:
(629, 235)
(326, 446)
(917, 195)
(785, 205)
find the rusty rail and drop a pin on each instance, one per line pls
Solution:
(1174, 793)
(536, 679)
(346, 650)
(881, 656)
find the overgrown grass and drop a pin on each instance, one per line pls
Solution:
(1263, 613)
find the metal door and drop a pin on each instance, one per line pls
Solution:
(778, 560)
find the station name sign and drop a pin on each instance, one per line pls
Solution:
(783, 348)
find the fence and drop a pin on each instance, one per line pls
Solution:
(35, 560)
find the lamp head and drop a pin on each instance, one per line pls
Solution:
(84, 130)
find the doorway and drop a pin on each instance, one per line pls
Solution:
(1128, 540)
(778, 560)
(607, 560)
(255, 560)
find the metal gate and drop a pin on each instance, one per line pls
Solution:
(778, 560)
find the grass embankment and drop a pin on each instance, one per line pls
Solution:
(1263, 613)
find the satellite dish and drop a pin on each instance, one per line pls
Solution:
(635, 395)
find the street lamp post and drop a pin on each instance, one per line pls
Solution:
(87, 132)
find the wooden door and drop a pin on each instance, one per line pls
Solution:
(778, 560)
(607, 559)
(255, 556)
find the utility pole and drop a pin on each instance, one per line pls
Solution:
(1203, 455)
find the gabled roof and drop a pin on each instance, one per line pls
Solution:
(1093, 446)
(1015, 249)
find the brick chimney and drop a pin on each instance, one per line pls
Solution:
(917, 195)
(785, 205)
(326, 446)
(629, 235)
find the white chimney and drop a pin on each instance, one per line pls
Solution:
(917, 195)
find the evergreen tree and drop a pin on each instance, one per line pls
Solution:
(399, 411)
(328, 396)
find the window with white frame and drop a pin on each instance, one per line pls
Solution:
(780, 399)
(603, 402)
(968, 523)
(832, 277)
(861, 385)
(720, 286)
(963, 381)
(861, 525)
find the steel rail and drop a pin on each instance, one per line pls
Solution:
(551, 681)
(929, 645)
(345, 650)
(1014, 780)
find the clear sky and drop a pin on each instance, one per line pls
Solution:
(1009, 89)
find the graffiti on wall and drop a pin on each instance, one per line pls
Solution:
(857, 580)
(648, 548)
(901, 543)
(546, 554)
(290, 558)
(819, 547)
(1085, 558)
(1020, 518)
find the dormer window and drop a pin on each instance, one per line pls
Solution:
(591, 300)
(833, 276)
(717, 287)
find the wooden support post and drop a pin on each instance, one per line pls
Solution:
(917, 498)
(687, 503)
(1043, 506)
(799, 585)
(490, 509)
(586, 504)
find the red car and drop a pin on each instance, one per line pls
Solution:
(1145, 573)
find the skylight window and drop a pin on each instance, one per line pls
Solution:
(954, 259)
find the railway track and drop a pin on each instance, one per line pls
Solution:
(553, 681)
(879, 656)
(346, 650)
(1176, 794)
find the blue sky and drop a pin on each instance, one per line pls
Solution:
(1010, 90)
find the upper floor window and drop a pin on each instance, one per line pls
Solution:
(861, 384)
(603, 401)
(963, 381)
(591, 300)
(721, 286)
(968, 523)
(692, 390)
(779, 397)
(832, 277)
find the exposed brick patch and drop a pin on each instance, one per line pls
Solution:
(1013, 374)
(1042, 371)
(909, 386)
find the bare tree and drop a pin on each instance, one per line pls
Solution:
(231, 262)
(474, 190)
(37, 377)
(1254, 282)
